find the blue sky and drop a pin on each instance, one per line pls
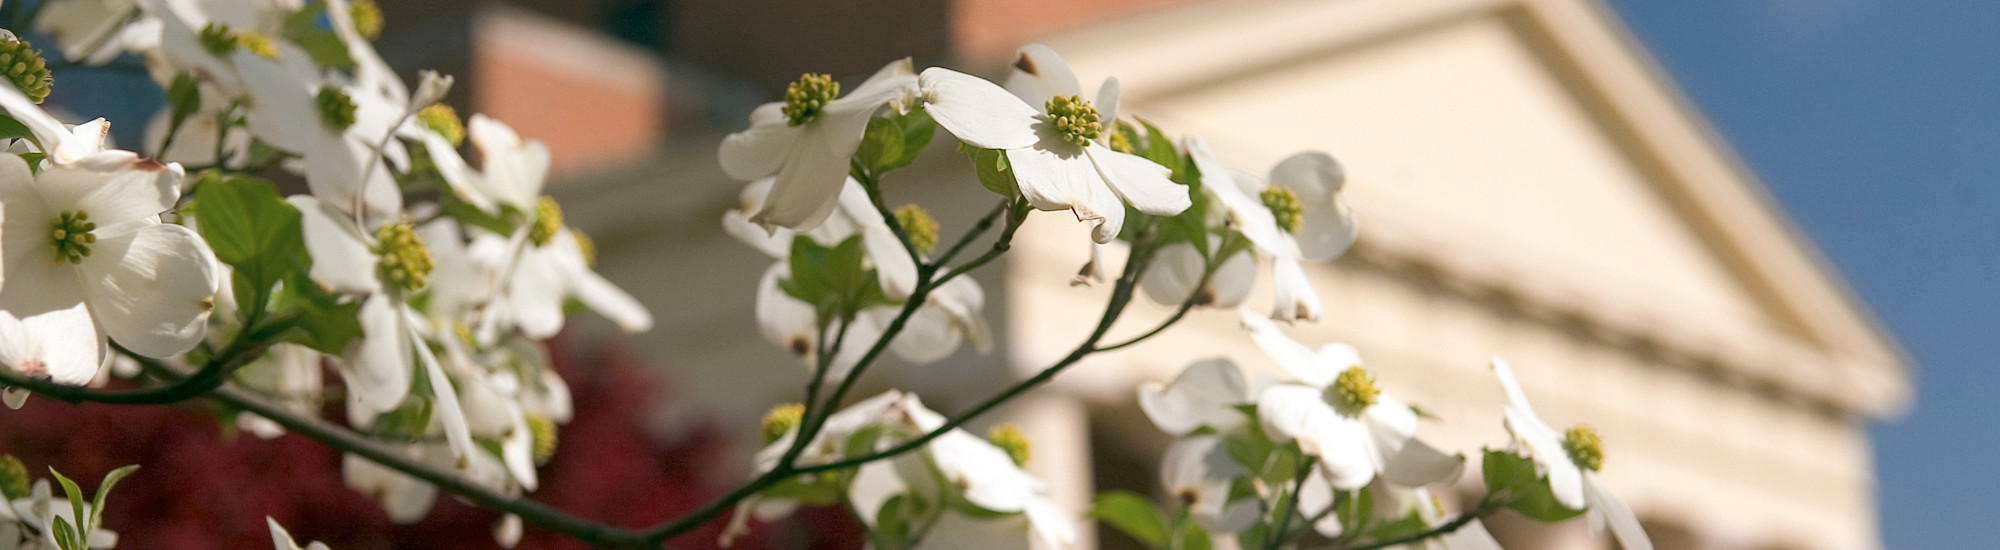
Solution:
(1876, 123)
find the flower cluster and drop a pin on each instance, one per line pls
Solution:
(423, 281)
(1324, 453)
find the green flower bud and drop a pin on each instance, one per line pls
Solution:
(405, 263)
(548, 221)
(922, 228)
(335, 108)
(1008, 437)
(1285, 206)
(1074, 119)
(13, 478)
(781, 420)
(544, 432)
(71, 235)
(1353, 391)
(367, 18)
(804, 98)
(444, 120)
(1584, 448)
(25, 68)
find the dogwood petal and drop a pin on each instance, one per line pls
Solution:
(1315, 497)
(516, 169)
(444, 403)
(535, 295)
(784, 320)
(1203, 395)
(1418, 464)
(759, 150)
(334, 167)
(1289, 354)
(62, 344)
(930, 335)
(152, 290)
(138, 191)
(1232, 281)
(1565, 479)
(1142, 183)
(1293, 294)
(1107, 106)
(55, 139)
(1039, 74)
(279, 109)
(978, 112)
(1327, 226)
(808, 186)
(1054, 179)
(1605, 508)
(405, 499)
(377, 368)
(598, 294)
(1170, 279)
(337, 248)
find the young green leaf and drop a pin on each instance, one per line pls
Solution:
(104, 490)
(1131, 514)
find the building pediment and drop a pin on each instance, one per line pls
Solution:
(1520, 149)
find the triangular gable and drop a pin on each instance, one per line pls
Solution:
(1522, 144)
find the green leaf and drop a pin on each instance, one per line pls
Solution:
(183, 96)
(320, 321)
(1131, 514)
(13, 129)
(253, 230)
(325, 47)
(75, 496)
(1513, 478)
(994, 173)
(1160, 148)
(807, 281)
(1355, 509)
(892, 523)
(895, 141)
(1193, 537)
(815, 493)
(104, 490)
(1409, 524)
(65, 535)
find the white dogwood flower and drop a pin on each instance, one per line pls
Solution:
(806, 141)
(1335, 412)
(1297, 215)
(1204, 395)
(1570, 460)
(1176, 269)
(282, 539)
(1198, 472)
(1054, 140)
(377, 367)
(87, 259)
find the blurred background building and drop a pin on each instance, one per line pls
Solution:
(1530, 185)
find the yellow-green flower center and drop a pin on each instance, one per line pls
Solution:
(1008, 438)
(548, 221)
(1074, 119)
(543, 432)
(258, 43)
(71, 235)
(920, 226)
(367, 18)
(220, 40)
(1584, 448)
(405, 262)
(804, 98)
(25, 68)
(13, 478)
(335, 108)
(444, 120)
(780, 420)
(1353, 391)
(1121, 141)
(1285, 206)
